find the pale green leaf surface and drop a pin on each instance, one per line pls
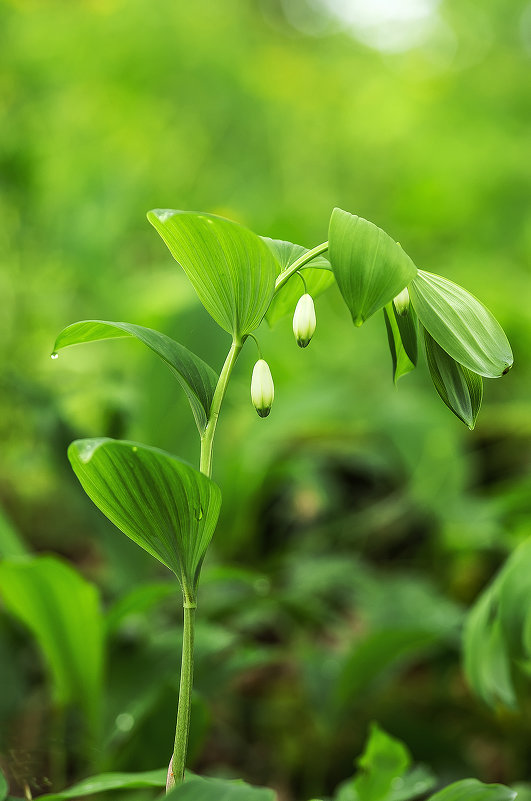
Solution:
(370, 267)
(230, 267)
(195, 376)
(459, 388)
(474, 790)
(401, 362)
(111, 781)
(385, 772)
(163, 504)
(461, 325)
(62, 611)
(317, 275)
(198, 788)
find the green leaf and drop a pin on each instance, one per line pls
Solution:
(111, 781)
(62, 611)
(4, 789)
(380, 651)
(163, 504)
(198, 788)
(370, 267)
(474, 790)
(486, 657)
(195, 376)
(497, 641)
(459, 388)
(384, 772)
(402, 364)
(317, 275)
(461, 325)
(138, 601)
(231, 268)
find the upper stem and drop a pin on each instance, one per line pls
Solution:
(207, 438)
(298, 263)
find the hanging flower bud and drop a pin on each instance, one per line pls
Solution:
(402, 302)
(262, 389)
(304, 320)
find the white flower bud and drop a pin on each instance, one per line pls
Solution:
(304, 320)
(262, 389)
(402, 302)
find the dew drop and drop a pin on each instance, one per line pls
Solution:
(54, 356)
(200, 513)
(135, 448)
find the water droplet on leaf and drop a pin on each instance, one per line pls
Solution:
(54, 356)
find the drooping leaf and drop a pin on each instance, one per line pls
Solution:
(474, 790)
(163, 504)
(195, 376)
(402, 364)
(230, 267)
(458, 387)
(105, 782)
(461, 325)
(197, 788)
(406, 320)
(370, 267)
(385, 772)
(317, 275)
(62, 610)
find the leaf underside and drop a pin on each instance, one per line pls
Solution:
(459, 388)
(461, 325)
(402, 363)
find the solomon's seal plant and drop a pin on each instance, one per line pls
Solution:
(169, 507)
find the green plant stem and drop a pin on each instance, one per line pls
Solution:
(300, 262)
(182, 728)
(207, 439)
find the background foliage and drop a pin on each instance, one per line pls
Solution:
(359, 521)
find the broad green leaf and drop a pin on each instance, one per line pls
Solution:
(195, 376)
(62, 611)
(370, 267)
(197, 788)
(461, 325)
(402, 364)
(317, 275)
(459, 388)
(385, 772)
(474, 790)
(111, 781)
(163, 504)
(231, 268)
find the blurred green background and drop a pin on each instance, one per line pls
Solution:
(359, 520)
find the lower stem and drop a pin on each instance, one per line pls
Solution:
(182, 729)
